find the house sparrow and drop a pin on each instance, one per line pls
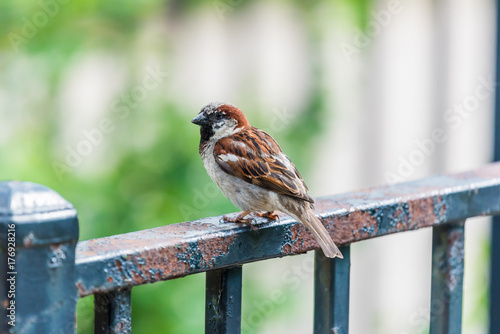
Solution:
(250, 169)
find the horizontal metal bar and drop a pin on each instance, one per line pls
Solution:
(223, 301)
(186, 248)
(331, 293)
(447, 278)
(113, 312)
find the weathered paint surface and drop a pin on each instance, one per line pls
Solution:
(181, 249)
(223, 301)
(38, 236)
(113, 312)
(447, 278)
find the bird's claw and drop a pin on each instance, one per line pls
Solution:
(239, 220)
(270, 215)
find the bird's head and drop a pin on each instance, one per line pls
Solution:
(219, 120)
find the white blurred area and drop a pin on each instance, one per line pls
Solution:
(428, 57)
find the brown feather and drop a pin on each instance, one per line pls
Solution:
(263, 168)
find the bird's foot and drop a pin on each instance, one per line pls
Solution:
(240, 219)
(271, 215)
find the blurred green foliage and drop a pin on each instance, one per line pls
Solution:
(139, 186)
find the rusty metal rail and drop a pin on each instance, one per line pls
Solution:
(186, 248)
(52, 270)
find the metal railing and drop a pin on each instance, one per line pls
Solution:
(494, 324)
(51, 270)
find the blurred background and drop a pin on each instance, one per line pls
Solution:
(96, 99)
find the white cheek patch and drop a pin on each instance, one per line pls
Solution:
(218, 125)
(225, 128)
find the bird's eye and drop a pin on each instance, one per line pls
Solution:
(219, 116)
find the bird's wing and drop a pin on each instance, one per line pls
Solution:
(254, 156)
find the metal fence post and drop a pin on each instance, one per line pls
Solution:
(331, 293)
(447, 278)
(495, 229)
(494, 311)
(113, 312)
(223, 301)
(38, 236)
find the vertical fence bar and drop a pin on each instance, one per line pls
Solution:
(38, 236)
(447, 278)
(223, 301)
(495, 277)
(495, 228)
(112, 312)
(331, 293)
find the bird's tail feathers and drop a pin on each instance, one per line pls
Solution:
(320, 233)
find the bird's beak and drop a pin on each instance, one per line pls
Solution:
(200, 119)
